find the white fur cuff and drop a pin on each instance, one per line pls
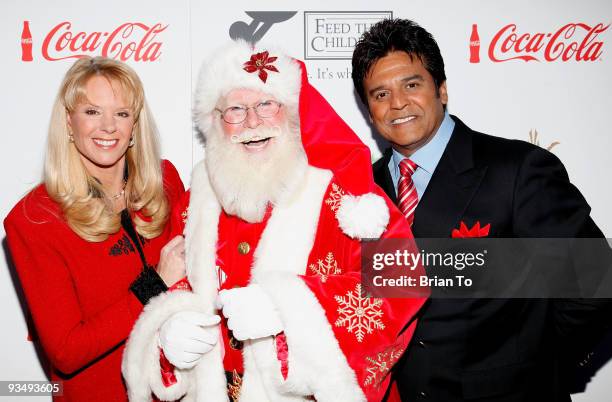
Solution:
(317, 365)
(363, 217)
(140, 366)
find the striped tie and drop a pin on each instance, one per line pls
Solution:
(406, 191)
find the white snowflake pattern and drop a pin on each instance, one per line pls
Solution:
(380, 364)
(326, 268)
(360, 315)
(335, 197)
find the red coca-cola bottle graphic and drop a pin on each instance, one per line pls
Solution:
(474, 45)
(26, 42)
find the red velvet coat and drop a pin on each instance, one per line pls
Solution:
(78, 291)
(338, 345)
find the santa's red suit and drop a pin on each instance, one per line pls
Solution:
(337, 345)
(340, 344)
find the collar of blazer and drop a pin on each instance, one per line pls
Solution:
(450, 190)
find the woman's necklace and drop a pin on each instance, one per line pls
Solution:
(120, 193)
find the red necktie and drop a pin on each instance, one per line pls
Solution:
(406, 191)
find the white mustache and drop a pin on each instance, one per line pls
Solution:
(255, 135)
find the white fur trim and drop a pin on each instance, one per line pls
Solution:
(280, 248)
(223, 71)
(363, 217)
(282, 255)
(317, 365)
(262, 374)
(201, 235)
(283, 248)
(286, 243)
(200, 244)
(140, 366)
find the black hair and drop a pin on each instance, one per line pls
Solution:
(395, 35)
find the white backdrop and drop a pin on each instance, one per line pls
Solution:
(565, 101)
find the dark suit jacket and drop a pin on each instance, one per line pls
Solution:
(494, 349)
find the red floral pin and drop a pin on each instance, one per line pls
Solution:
(260, 62)
(475, 231)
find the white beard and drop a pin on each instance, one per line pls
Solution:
(246, 183)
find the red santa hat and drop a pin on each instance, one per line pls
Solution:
(328, 141)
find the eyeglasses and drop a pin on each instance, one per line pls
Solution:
(238, 114)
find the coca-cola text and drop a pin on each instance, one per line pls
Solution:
(132, 40)
(572, 41)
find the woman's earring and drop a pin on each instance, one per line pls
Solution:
(131, 144)
(70, 137)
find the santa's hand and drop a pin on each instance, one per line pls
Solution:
(187, 335)
(250, 313)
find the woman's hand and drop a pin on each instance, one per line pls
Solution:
(171, 265)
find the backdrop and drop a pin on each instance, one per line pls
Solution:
(537, 72)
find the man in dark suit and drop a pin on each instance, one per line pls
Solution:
(471, 349)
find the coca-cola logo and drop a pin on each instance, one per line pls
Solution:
(573, 41)
(129, 41)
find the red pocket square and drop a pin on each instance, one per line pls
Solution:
(475, 231)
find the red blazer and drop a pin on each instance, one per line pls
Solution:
(78, 291)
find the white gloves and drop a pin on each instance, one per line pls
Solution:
(250, 312)
(187, 335)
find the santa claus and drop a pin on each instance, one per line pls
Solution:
(274, 309)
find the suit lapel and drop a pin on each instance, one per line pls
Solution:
(451, 187)
(382, 176)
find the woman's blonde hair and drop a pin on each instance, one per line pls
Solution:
(81, 197)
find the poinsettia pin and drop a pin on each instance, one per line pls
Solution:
(261, 62)
(475, 231)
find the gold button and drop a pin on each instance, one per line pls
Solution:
(244, 248)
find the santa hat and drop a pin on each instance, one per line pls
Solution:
(328, 141)
(238, 65)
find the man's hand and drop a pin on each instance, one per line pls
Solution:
(250, 312)
(187, 335)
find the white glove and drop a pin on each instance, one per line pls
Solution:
(250, 312)
(187, 335)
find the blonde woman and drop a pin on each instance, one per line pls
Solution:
(87, 242)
